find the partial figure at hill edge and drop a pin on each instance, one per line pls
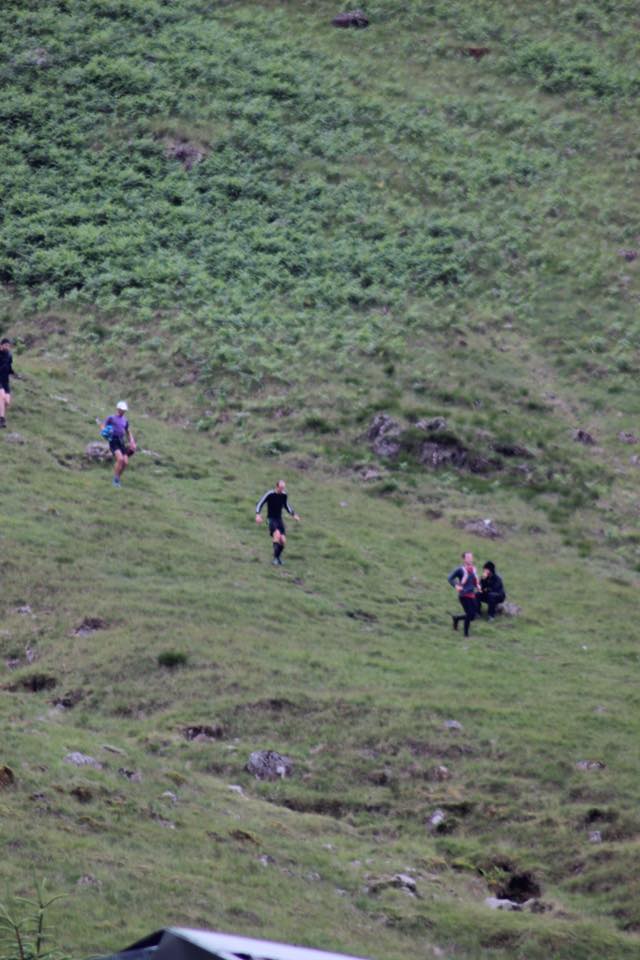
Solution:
(276, 501)
(6, 371)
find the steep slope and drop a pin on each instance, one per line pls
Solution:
(264, 232)
(345, 662)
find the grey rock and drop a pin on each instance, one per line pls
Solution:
(509, 609)
(435, 455)
(513, 450)
(15, 438)
(235, 788)
(370, 474)
(26, 610)
(404, 881)
(7, 777)
(188, 153)
(384, 435)
(269, 765)
(452, 725)
(590, 765)
(82, 760)
(440, 773)
(132, 775)
(583, 436)
(98, 451)
(497, 903)
(595, 837)
(401, 881)
(482, 528)
(634, 460)
(432, 425)
(351, 18)
(169, 795)
(435, 821)
(202, 733)
(629, 254)
(88, 880)
(90, 625)
(625, 436)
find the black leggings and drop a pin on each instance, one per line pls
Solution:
(492, 600)
(470, 608)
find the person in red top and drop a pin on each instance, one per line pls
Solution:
(466, 581)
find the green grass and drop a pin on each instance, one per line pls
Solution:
(374, 221)
(344, 661)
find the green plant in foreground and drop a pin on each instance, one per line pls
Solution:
(22, 927)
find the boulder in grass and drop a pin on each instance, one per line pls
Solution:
(502, 903)
(482, 527)
(384, 435)
(583, 436)
(509, 609)
(82, 760)
(433, 425)
(476, 53)
(351, 18)
(187, 153)
(7, 777)
(269, 765)
(97, 451)
(590, 765)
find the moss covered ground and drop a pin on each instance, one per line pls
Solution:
(262, 231)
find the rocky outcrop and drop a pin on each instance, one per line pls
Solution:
(269, 765)
(384, 436)
(351, 18)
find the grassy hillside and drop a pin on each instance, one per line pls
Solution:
(344, 661)
(262, 231)
(241, 202)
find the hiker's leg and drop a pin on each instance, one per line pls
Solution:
(494, 600)
(279, 541)
(121, 462)
(470, 609)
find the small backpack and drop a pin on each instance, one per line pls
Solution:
(107, 431)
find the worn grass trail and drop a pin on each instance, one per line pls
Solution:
(345, 661)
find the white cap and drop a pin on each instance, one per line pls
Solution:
(122, 405)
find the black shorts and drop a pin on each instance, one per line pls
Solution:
(117, 443)
(277, 525)
(4, 384)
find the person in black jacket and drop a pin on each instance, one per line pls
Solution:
(6, 370)
(491, 589)
(276, 501)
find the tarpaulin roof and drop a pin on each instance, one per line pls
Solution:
(181, 943)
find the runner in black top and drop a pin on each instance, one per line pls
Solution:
(276, 501)
(6, 370)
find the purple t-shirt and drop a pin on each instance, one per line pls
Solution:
(120, 425)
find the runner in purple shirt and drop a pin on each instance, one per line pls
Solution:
(121, 441)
